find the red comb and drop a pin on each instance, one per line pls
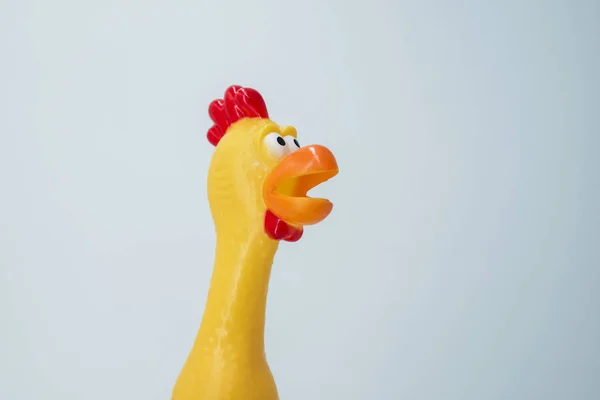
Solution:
(237, 103)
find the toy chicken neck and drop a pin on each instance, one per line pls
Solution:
(237, 299)
(229, 347)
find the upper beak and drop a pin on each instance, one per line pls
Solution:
(285, 188)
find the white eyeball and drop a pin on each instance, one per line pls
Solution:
(275, 144)
(292, 144)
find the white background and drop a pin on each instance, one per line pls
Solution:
(462, 257)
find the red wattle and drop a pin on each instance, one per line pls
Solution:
(278, 229)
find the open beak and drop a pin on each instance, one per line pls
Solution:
(285, 188)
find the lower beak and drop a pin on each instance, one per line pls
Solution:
(285, 188)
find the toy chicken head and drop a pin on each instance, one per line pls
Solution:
(259, 174)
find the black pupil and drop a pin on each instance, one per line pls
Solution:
(296, 143)
(281, 141)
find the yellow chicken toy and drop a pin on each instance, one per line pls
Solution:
(258, 181)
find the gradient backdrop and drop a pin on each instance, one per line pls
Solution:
(462, 257)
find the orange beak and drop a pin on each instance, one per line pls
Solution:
(285, 188)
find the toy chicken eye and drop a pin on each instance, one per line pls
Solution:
(292, 144)
(276, 145)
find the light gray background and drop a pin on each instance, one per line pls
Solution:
(462, 257)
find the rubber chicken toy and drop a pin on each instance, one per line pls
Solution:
(258, 181)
